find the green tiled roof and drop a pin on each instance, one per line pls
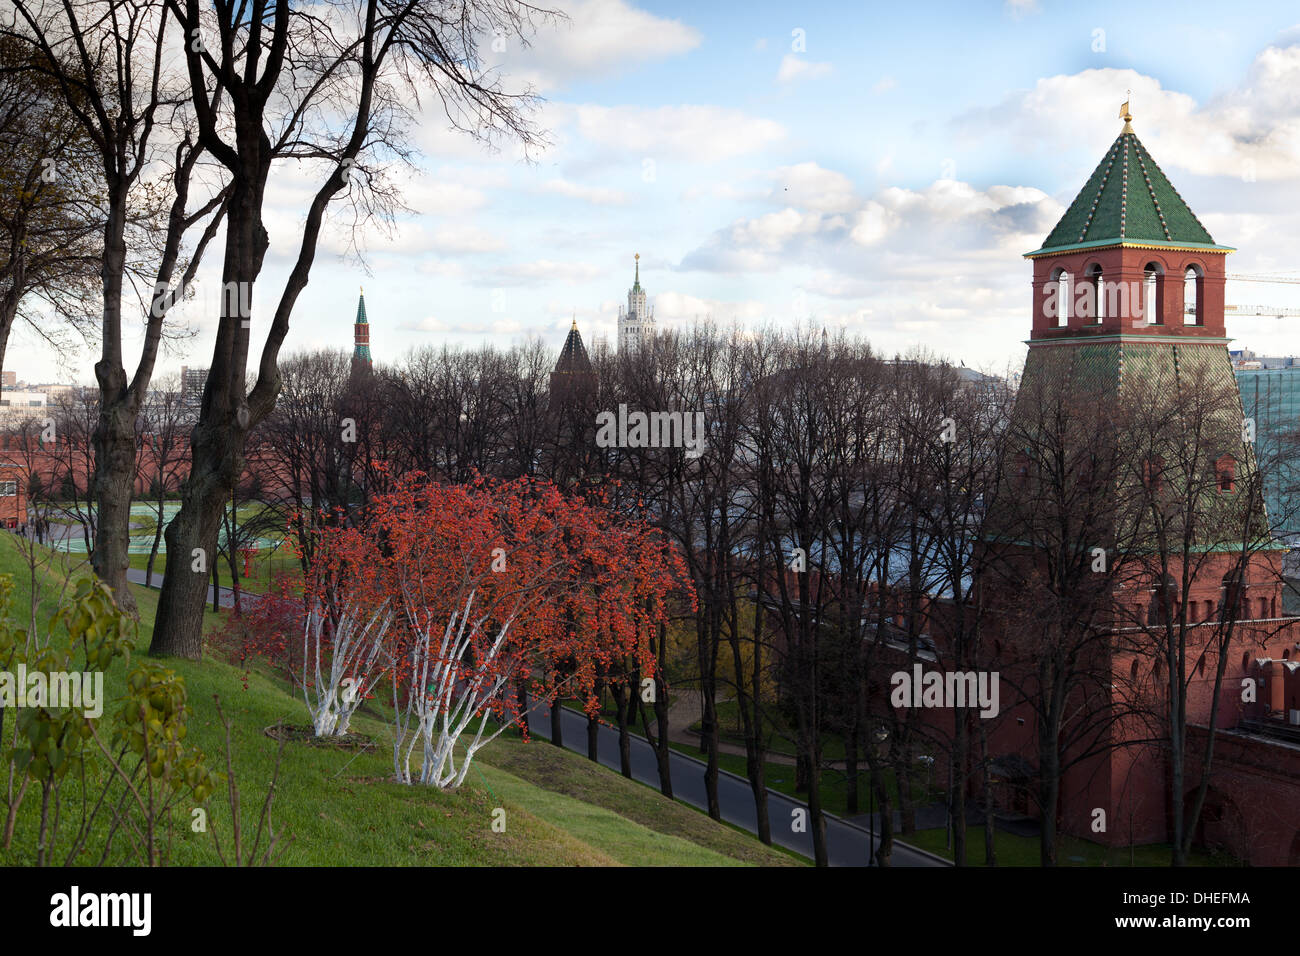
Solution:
(361, 310)
(1127, 199)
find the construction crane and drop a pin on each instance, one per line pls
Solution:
(1276, 311)
(1280, 278)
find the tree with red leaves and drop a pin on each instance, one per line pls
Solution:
(461, 593)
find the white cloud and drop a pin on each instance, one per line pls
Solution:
(1251, 132)
(427, 324)
(465, 240)
(810, 186)
(680, 308)
(800, 68)
(884, 84)
(597, 195)
(694, 133)
(594, 38)
(895, 233)
(441, 197)
(544, 270)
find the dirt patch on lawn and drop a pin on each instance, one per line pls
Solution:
(302, 734)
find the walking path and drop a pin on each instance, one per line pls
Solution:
(848, 843)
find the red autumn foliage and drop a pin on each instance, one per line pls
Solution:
(270, 629)
(474, 588)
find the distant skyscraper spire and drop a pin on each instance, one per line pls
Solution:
(636, 324)
(361, 336)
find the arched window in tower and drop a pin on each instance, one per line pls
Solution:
(1097, 290)
(1193, 295)
(1225, 473)
(1153, 282)
(1060, 290)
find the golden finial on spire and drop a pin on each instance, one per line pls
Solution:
(1125, 115)
(363, 289)
(575, 322)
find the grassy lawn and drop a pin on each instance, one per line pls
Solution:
(340, 807)
(264, 568)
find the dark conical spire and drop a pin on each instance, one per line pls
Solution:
(636, 282)
(573, 356)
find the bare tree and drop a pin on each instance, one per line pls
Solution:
(107, 58)
(50, 216)
(263, 78)
(163, 418)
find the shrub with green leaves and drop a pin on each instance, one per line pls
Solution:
(122, 772)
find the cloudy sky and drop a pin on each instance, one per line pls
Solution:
(877, 167)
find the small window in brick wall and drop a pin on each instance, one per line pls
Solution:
(1225, 470)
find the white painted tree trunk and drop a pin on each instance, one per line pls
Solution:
(356, 662)
(448, 695)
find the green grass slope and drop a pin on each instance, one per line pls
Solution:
(340, 807)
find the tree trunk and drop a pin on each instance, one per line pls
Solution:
(851, 769)
(957, 795)
(620, 693)
(217, 442)
(659, 738)
(178, 629)
(114, 435)
(157, 538)
(1048, 790)
(557, 724)
(593, 738)
(216, 586)
(885, 817)
(709, 738)
(815, 811)
(990, 820)
(802, 775)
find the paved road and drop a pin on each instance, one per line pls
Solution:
(847, 845)
(136, 576)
